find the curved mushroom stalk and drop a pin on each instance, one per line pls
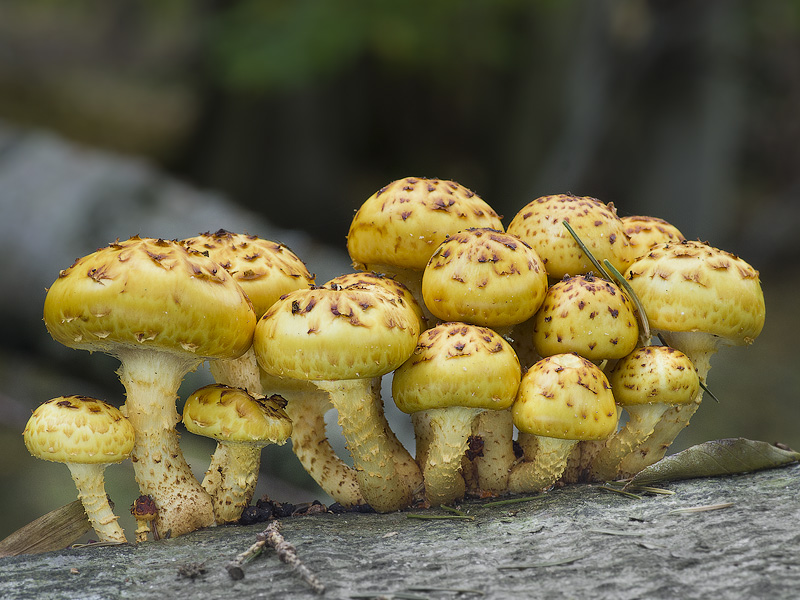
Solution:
(92, 494)
(231, 479)
(549, 461)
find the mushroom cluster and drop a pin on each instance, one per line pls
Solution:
(520, 359)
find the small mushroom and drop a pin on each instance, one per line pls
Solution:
(457, 371)
(144, 510)
(344, 340)
(646, 383)
(562, 399)
(162, 310)
(243, 425)
(87, 435)
(699, 298)
(539, 223)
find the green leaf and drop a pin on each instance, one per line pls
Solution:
(53, 531)
(729, 456)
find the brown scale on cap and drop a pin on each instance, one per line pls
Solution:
(645, 232)
(539, 224)
(586, 315)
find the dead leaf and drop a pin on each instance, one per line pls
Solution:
(53, 531)
(730, 456)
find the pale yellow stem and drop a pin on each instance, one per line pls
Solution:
(242, 372)
(549, 462)
(496, 429)
(92, 494)
(231, 478)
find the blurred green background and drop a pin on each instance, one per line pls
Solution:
(296, 112)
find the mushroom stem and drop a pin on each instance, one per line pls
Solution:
(242, 372)
(549, 462)
(311, 446)
(151, 379)
(496, 429)
(363, 421)
(699, 347)
(88, 479)
(231, 478)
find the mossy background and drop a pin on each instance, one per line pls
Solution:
(281, 118)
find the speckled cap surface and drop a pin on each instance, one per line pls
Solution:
(691, 286)
(149, 293)
(368, 281)
(78, 429)
(567, 397)
(485, 277)
(457, 364)
(654, 374)
(403, 223)
(586, 315)
(230, 414)
(264, 269)
(645, 232)
(539, 224)
(328, 334)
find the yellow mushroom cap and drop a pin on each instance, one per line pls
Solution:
(457, 364)
(149, 293)
(539, 224)
(654, 374)
(264, 269)
(586, 315)
(645, 232)
(403, 223)
(328, 334)
(485, 277)
(566, 397)
(691, 286)
(230, 414)
(78, 429)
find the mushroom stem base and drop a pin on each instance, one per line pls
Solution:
(549, 461)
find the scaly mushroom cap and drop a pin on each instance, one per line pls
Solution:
(485, 277)
(265, 270)
(230, 414)
(148, 293)
(326, 334)
(403, 223)
(539, 224)
(654, 374)
(457, 364)
(566, 397)
(691, 286)
(586, 315)
(645, 232)
(378, 283)
(78, 429)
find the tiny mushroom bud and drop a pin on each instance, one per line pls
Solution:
(145, 512)
(87, 435)
(698, 298)
(242, 425)
(398, 228)
(562, 399)
(344, 340)
(646, 383)
(539, 223)
(162, 310)
(457, 371)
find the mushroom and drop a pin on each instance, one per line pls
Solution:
(562, 399)
(539, 224)
(492, 279)
(265, 270)
(397, 229)
(87, 435)
(344, 340)
(161, 310)
(698, 298)
(243, 425)
(456, 371)
(645, 232)
(646, 383)
(586, 315)
(145, 512)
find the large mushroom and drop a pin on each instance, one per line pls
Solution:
(87, 435)
(243, 425)
(698, 298)
(457, 371)
(161, 310)
(344, 340)
(562, 399)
